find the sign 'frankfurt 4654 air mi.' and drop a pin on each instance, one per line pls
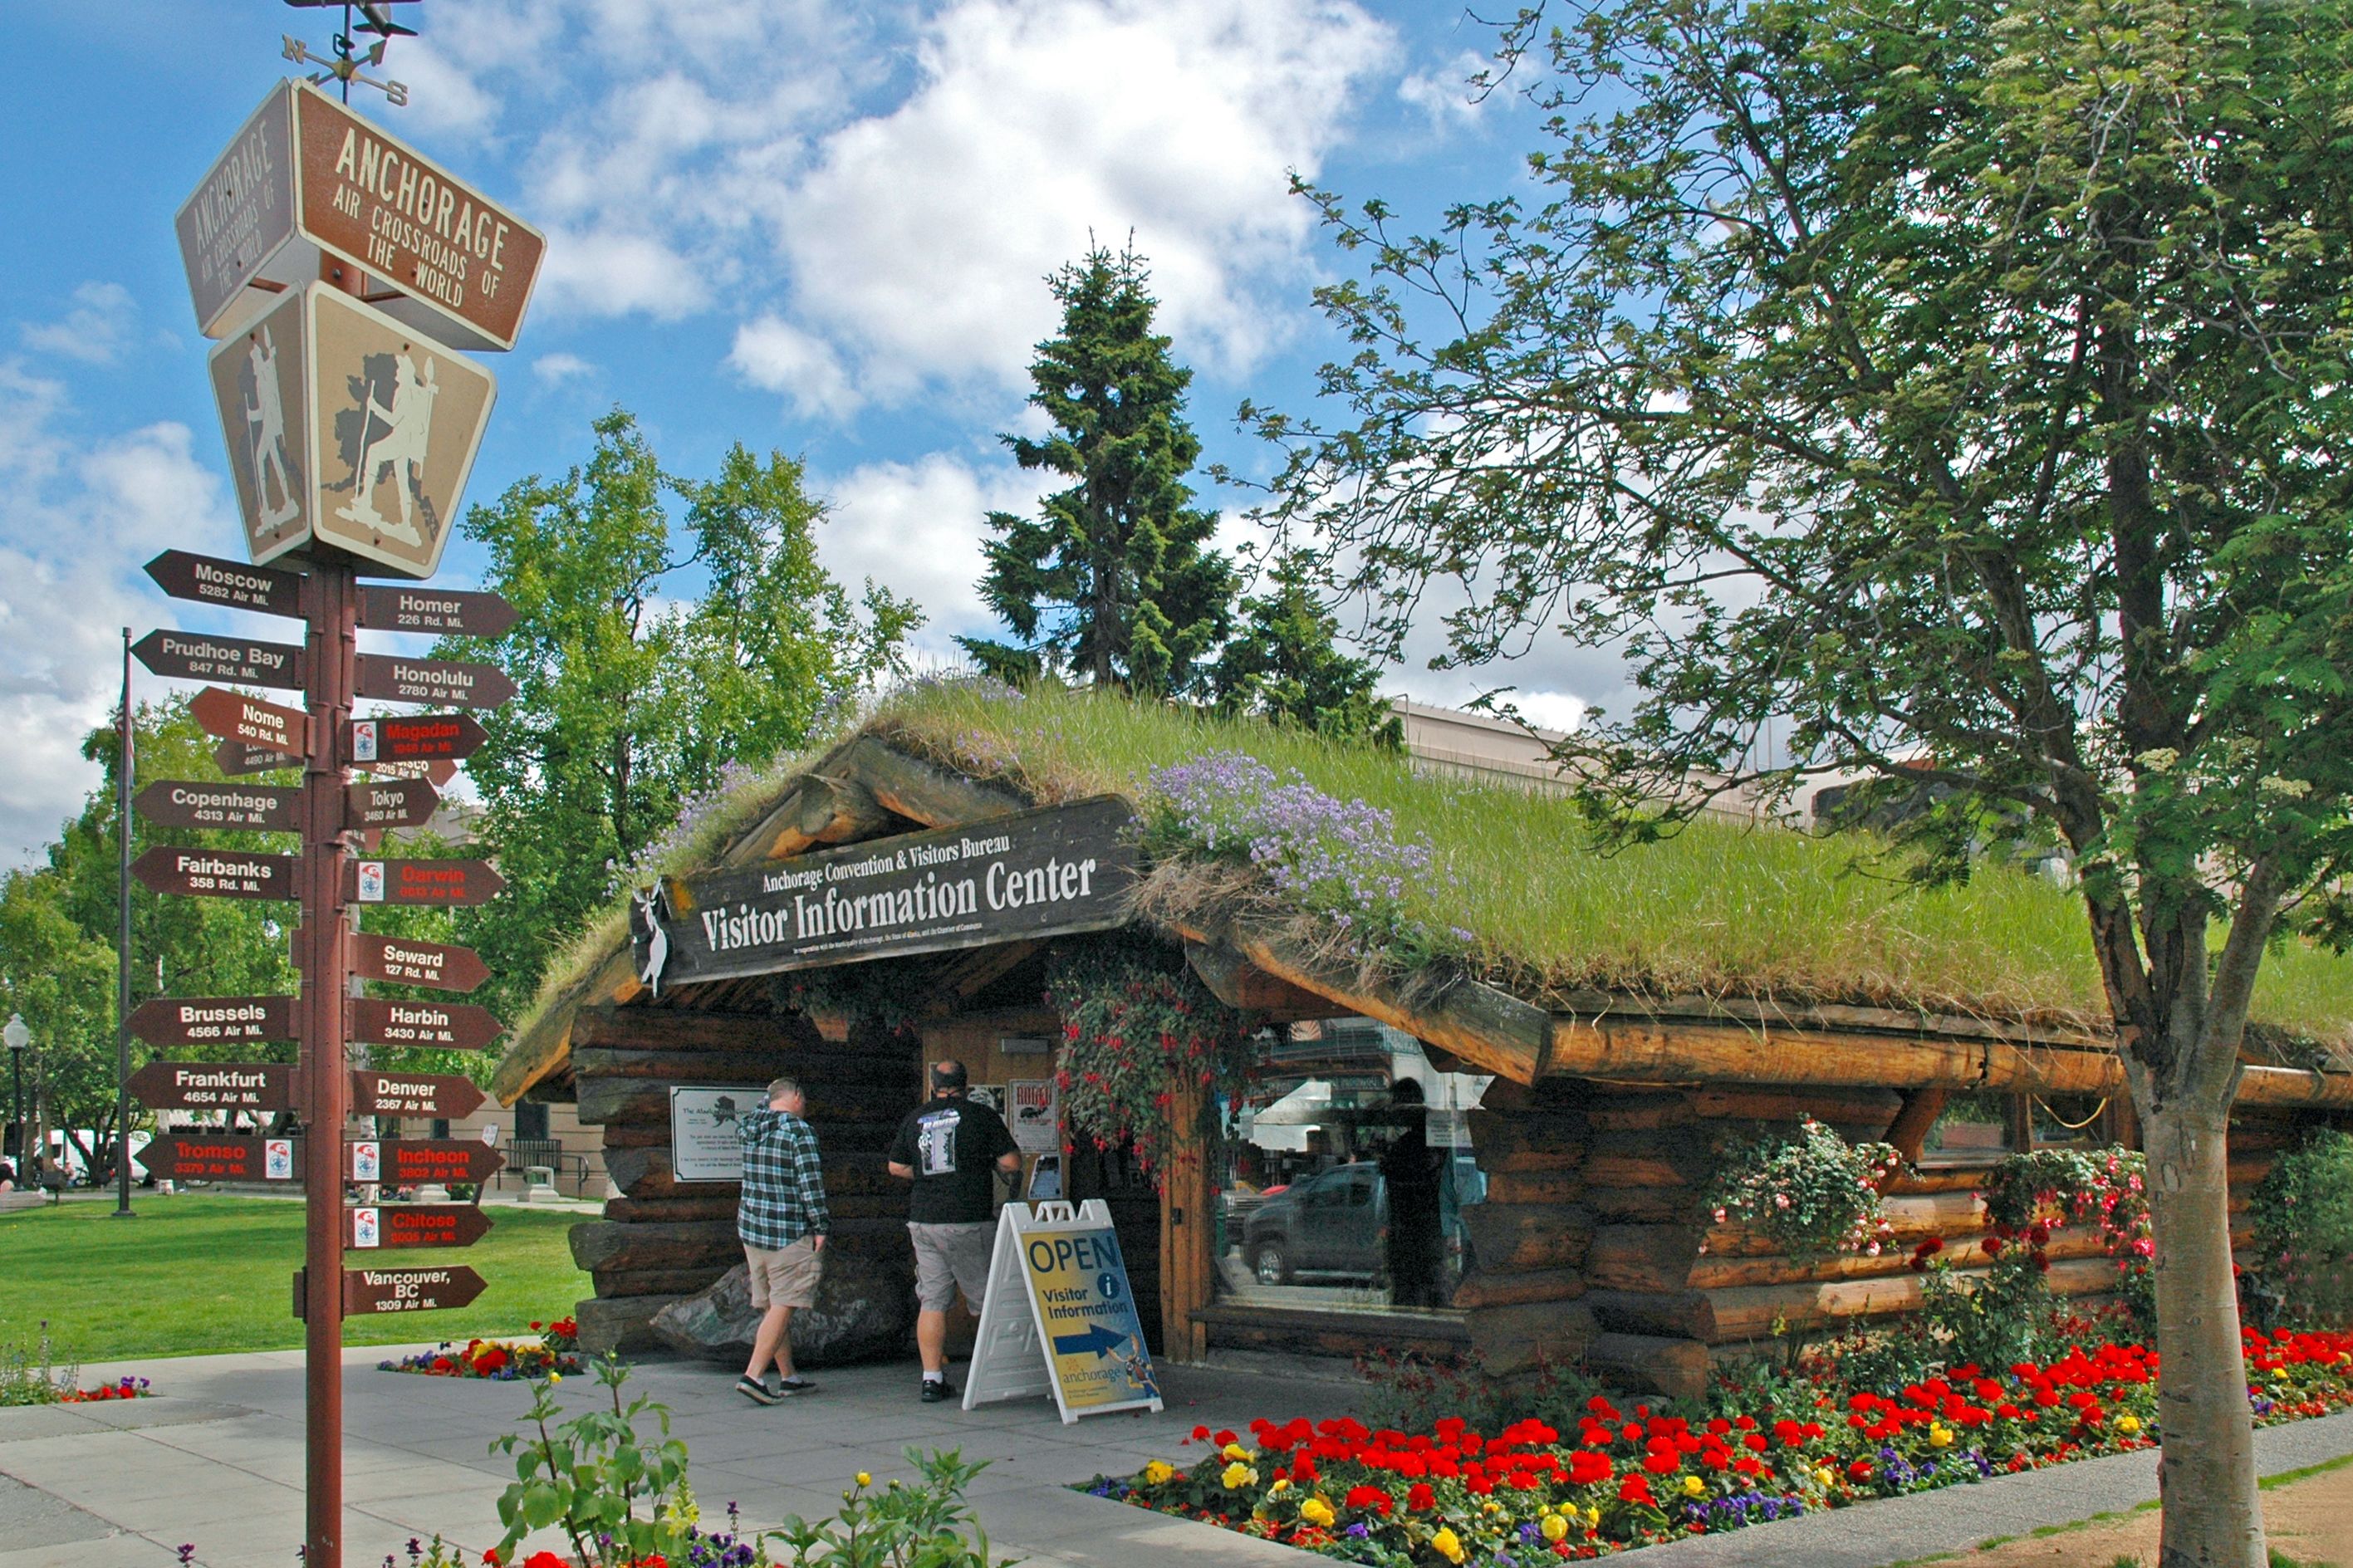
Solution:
(1041, 873)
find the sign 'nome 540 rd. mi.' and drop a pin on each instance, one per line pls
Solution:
(1051, 872)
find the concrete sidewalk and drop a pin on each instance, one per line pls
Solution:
(215, 1461)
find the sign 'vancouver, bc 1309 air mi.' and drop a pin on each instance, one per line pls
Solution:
(1051, 872)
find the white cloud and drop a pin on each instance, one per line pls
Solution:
(611, 272)
(96, 329)
(776, 356)
(916, 528)
(556, 369)
(1444, 92)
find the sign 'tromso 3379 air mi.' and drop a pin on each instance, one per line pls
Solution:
(1051, 872)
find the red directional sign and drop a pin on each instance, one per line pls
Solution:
(176, 803)
(218, 1157)
(192, 656)
(237, 758)
(441, 612)
(422, 738)
(216, 873)
(426, 1026)
(213, 1020)
(233, 584)
(408, 1290)
(413, 1163)
(446, 882)
(377, 1093)
(397, 679)
(252, 720)
(402, 961)
(414, 1224)
(216, 1086)
(435, 773)
(394, 802)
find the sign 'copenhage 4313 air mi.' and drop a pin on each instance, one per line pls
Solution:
(1050, 872)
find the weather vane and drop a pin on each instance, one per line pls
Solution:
(375, 16)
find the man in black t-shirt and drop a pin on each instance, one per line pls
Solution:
(951, 1147)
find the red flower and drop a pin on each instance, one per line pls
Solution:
(1225, 1437)
(1200, 1435)
(1587, 1468)
(1420, 1497)
(543, 1560)
(1372, 1498)
(1992, 1246)
(1636, 1488)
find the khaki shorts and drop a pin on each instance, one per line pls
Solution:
(785, 1277)
(949, 1255)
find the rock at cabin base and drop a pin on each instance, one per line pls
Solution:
(865, 1311)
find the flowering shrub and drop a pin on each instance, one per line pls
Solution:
(1339, 859)
(2030, 1195)
(2303, 1215)
(695, 815)
(1812, 1195)
(1138, 1025)
(121, 1388)
(502, 1361)
(38, 1378)
(1627, 1478)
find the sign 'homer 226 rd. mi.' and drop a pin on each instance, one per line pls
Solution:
(1040, 873)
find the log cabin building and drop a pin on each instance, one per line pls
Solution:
(1576, 1108)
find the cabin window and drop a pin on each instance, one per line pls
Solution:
(2067, 1120)
(1305, 1207)
(1975, 1127)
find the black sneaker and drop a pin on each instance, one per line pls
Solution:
(794, 1384)
(753, 1389)
(938, 1389)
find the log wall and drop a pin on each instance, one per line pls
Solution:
(663, 1238)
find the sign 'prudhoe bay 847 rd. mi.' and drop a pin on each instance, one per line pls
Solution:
(1052, 872)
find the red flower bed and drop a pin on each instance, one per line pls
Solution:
(1630, 1476)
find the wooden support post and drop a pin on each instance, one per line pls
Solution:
(1909, 1131)
(1187, 1232)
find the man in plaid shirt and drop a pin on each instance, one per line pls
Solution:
(782, 1220)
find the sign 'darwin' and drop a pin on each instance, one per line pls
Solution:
(450, 883)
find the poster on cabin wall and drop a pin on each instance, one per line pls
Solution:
(703, 1143)
(1052, 872)
(1035, 1116)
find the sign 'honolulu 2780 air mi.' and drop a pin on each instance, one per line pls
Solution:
(344, 274)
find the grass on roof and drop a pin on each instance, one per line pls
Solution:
(1720, 910)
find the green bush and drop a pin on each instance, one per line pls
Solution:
(2302, 1213)
(34, 1376)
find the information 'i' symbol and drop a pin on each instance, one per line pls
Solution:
(1107, 1285)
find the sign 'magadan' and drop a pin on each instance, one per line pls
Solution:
(1051, 872)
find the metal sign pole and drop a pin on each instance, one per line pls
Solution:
(123, 950)
(332, 609)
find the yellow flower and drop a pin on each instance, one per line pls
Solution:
(1238, 1475)
(1553, 1527)
(2128, 1424)
(1233, 1451)
(1823, 1478)
(1593, 1516)
(1939, 1437)
(1694, 1487)
(865, 1479)
(1160, 1473)
(1315, 1511)
(1281, 1485)
(1447, 1544)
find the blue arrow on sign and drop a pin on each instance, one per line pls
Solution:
(1097, 1338)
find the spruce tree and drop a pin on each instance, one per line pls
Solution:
(1285, 663)
(1112, 583)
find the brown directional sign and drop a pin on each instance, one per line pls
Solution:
(193, 656)
(177, 802)
(421, 738)
(213, 1020)
(236, 759)
(429, 1026)
(397, 679)
(218, 1157)
(216, 873)
(408, 1290)
(396, 802)
(216, 1086)
(252, 720)
(402, 961)
(233, 584)
(377, 1093)
(439, 611)
(436, 772)
(445, 882)
(411, 1163)
(414, 1225)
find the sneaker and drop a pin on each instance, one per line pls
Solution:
(753, 1389)
(938, 1389)
(794, 1384)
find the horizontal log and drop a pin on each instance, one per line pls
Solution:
(1484, 1287)
(818, 810)
(921, 791)
(645, 1173)
(647, 1098)
(1527, 1139)
(652, 1028)
(1711, 1272)
(1651, 1363)
(602, 1245)
(1643, 1256)
(1686, 1173)
(1527, 1235)
(812, 1064)
(1911, 1217)
(1237, 983)
(1612, 1109)
(1644, 1205)
(1752, 1312)
(1534, 1187)
(1871, 1109)
(670, 1283)
(619, 1324)
(659, 1210)
(1513, 1338)
(647, 1135)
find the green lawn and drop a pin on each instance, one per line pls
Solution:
(192, 1276)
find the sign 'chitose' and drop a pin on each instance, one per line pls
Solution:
(1062, 869)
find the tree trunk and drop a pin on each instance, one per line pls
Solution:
(2213, 1516)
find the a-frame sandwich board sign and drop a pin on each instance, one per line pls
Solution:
(1059, 1316)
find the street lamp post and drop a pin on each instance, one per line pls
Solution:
(18, 1037)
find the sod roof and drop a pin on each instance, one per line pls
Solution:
(1720, 911)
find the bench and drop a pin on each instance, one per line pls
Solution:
(522, 1153)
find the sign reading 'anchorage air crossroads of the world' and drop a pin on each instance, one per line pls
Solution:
(1062, 870)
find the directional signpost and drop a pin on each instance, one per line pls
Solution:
(340, 270)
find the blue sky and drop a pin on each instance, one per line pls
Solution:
(802, 224)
